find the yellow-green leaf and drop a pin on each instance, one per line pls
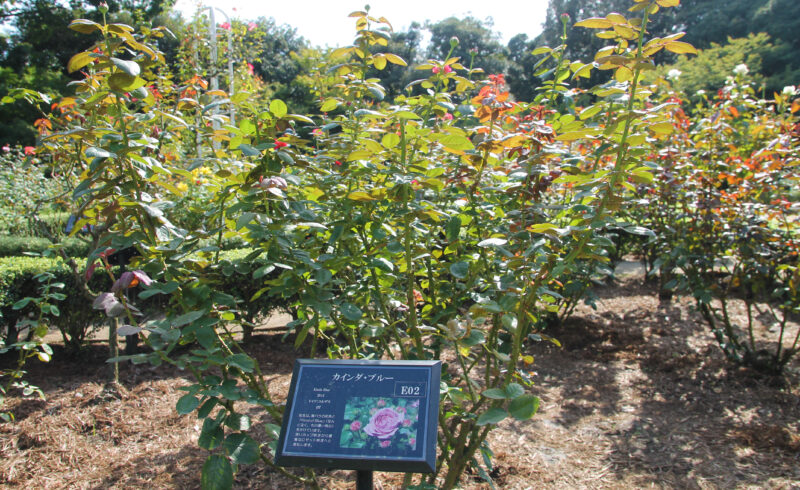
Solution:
(681, 47)
(623, 74)
(662, 128)
(84, 26)
(79, 61)
(393, 58)
(360, 196)
(379, 62)
(372, 146)
(595, 23)
(668, 3)
(329, 105)
(359, 155)
(390, 140)
(590, 111)
(278, 108)
(617, 18)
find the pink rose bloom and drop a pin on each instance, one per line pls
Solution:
(250, 68)
(384, 423)
(415, 404)
(407, 423)
(401, 409)
(251, 26)
(386, 443)
(412, 442)
(381, 403)
(226, 26)
(447, 69)
(435, 70)
(6, 148)
(448, 117)
(355, 426)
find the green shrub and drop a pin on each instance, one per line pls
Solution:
(18, 245)
(52, 224)
(18, 280)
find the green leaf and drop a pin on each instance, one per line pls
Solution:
(492, 416)
(94, 152)
(122, 82)
(514, 390)
(241, 361)
(186, 319)
(229, 390)
(21, 303)
(459, 270)
(187, 404)
(453, 229)
(248, 150)
(128, 67)
(524, 407)
(241, 448)
(211, 435)
(278, 108)
(351, 311)
(217, 473)
(495, 394)
(238, 421)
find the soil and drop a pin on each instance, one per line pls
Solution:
(638, 395)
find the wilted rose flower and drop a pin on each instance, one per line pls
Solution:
(130, 279)
(384, 423)
(273, 182)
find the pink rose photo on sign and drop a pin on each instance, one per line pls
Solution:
(384, 424)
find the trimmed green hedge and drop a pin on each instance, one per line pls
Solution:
(236, 276)
(11, 246)
(18, 280)
(54, 223)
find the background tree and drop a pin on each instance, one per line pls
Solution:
(36, 53)
(474, 38)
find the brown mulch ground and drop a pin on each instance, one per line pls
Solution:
(638, 396)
